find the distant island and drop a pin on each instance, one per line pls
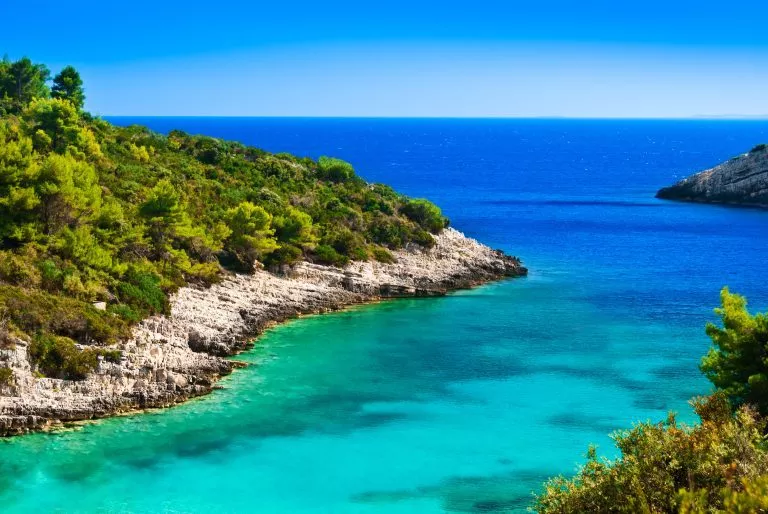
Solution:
(132, 263)
(742, 180)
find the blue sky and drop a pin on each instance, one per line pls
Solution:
(405, 58)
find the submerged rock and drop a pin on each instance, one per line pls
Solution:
(172, 358)
(742, 180)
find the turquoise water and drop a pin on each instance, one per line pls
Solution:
(459, 404)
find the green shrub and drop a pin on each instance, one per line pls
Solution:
(126, 312)
(359, 253)
(425, 214)
(51, 275)
(382, 255)
(59, 357)
(334, 169)
(759, 148)
(6, 376)
(286, 254)
(347, 243)
(113, 356)
(667, 465)
(19, 270)
(388, 231)
(325, 254)
(36, 311)
(142, 290)
(423, 238)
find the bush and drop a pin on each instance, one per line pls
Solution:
(34, 312)
(51, 275)
(347, 243)
(19, 270)
(426, 214)
(325, 254)
(388, 231)
(335, 170)
(141, 290)
(59, 357)
(382, 255)
(423, 238)
(113, 356)
(663, 466)
(286, 254)
(125, 312)
(7, 377)
(759, 148)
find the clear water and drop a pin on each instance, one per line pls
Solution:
(460, 404)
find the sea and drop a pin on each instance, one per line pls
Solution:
(461, 404)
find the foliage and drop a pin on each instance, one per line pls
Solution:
(20, 82)
(426, 214)
(335, 170)
(142, 290)
(6, 376)
(68, 85)
(749, 497)
(667, 467)
(325, 254)
(382, 255)
(737, 364)
(759, 148)
(113, 356)
(92, 212)
(251, 237)
(32, 312)
(59, 357)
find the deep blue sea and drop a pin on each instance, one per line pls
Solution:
(459, 404)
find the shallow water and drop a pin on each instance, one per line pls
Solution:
(460, 404)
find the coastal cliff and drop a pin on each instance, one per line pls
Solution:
(742, 180)
(175, 357)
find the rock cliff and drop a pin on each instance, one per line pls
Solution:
(742, 180)
(172, 358)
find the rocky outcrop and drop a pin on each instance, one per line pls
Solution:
(172, 358)
(742, 180)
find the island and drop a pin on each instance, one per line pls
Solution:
(133, 263)
(742, 180)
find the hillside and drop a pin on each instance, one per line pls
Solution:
(91, 212)
(111, 239)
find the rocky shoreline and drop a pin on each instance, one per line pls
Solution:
(741, 181)
(173, 358)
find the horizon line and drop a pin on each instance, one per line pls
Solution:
(696, 117)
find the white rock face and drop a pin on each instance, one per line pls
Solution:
(170, 359)
(742, 180)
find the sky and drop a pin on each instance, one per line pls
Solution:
(658, 59)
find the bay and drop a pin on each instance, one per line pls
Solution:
(459, 404)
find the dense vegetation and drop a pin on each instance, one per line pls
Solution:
(91, 212)
(719, 465)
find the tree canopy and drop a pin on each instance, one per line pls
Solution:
(737, 363)
(68, 85)
(20, 82)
